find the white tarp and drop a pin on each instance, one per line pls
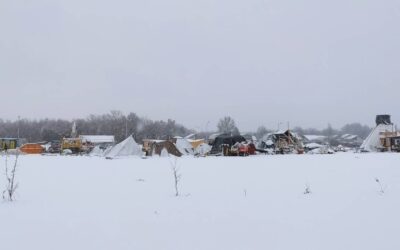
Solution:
(313, 145)
(373, 143)
(96, 151)
(322, 150)
(203, 149)
(184, 146)
(126, 148)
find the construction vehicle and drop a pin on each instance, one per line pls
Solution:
(73, 144)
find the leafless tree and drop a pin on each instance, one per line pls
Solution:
(113, 123)
(177, 176)
(10, 173)
(227, 125)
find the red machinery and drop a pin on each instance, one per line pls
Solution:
(247, 149)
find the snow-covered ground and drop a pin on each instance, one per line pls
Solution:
(83, 203)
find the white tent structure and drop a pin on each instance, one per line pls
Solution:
(126, 148)
(373, 141)
(97, 151)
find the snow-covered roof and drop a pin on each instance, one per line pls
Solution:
(313, 145)
(349, 137)
(153, 140)
(97, 138)
(190, 136)
(315, 137)
(213, 136)
(279, 132)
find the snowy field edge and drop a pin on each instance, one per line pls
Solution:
(260, 202)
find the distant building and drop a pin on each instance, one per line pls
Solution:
(320, 139)
(10, 143)
(101, 141)
(349, 140)
(98, 139)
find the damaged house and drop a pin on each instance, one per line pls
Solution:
(348, 140)
(283, 141)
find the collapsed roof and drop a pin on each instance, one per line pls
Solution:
(159, 148)
(184, 146)
(280, 139)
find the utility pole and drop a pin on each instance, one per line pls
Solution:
(18, 127)
(279, 125)
(206, 129)
(126, 127)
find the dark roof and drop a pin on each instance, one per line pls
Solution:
(225, 139)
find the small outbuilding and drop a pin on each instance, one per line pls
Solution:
(9, 143)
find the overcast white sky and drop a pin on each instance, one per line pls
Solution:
(310, 62)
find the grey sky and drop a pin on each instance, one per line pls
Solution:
(309, 62)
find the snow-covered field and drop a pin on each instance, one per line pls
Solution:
(83, 203)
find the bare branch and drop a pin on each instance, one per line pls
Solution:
(10, 174)
(177, 176)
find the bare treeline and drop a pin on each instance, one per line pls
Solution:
(120, 125)
(114, 123)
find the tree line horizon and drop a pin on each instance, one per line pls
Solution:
(120, 125)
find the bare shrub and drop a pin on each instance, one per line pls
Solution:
(308, 189)
(381, 188)
(177, 176)
(10, 173)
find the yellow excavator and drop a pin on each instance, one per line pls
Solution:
(73, 144)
